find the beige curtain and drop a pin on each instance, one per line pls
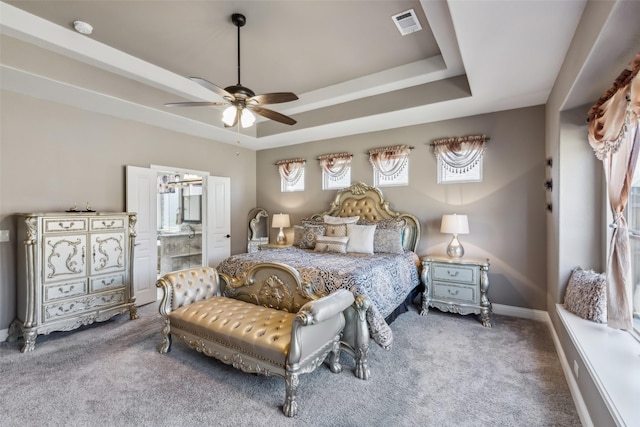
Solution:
(460, 154)
(615, 139)
(335, 165)
(390, 161)
(291, 170)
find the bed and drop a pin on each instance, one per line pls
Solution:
(389, 277)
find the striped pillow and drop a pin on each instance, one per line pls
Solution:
(331, 244)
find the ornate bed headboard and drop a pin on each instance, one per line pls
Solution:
(368, 203)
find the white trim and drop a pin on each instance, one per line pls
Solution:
(612, 358)
(4, 334)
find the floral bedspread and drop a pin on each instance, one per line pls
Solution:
(386, 279)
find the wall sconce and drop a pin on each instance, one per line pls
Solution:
(280, 221)
(454, 224)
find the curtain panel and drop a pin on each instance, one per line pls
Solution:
(460, 154)
(335, 165)
(615, 139)
(291, 170)
(390, 161)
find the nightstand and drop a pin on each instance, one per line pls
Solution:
(456, 285)
(273, 246)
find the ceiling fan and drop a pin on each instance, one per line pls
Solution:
(241, 99)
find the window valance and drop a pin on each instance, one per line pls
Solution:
(390, 161)
(460, 154)
(291, 170)
(335, 165)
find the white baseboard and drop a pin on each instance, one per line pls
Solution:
(4, 334)
(543, 316)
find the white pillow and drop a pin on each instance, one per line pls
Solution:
(328, 219)
(360, 238)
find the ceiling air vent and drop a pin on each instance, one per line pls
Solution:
(407, 22)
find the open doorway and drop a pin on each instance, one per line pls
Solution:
(180, 221)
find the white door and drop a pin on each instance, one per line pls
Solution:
(218, 227)
(142, 199)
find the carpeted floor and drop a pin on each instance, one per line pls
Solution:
(443, 370)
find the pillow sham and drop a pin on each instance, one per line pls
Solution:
(297, 234)
(389, 235)
(309, 235)
(586, 295)
(328, 219)
(335, 230)
(331, 244)
(360, 238)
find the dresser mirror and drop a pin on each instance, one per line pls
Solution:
(258, 222)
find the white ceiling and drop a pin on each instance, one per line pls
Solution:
(347, 62)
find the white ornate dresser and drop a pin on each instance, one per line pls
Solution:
(75, 269)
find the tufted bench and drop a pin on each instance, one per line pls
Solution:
(267, 322)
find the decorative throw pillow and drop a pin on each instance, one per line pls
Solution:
(388, 236)
(309, 221)
(586, 295)
(388, 241)
(297, 234)
(360, 238)
(335, 230)
(309, 235)
(328, 219)
(331, 244)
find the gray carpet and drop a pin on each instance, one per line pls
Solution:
(443, 370)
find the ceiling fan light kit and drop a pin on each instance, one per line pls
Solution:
(242, 101)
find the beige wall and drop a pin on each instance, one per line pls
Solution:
(506, 210)
(53, 156)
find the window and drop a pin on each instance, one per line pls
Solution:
(402, 178)
(446, 176)
(336, 170)
(390, 165)
(633, 221)
(291, 175)
(460, 158)
(298, 185)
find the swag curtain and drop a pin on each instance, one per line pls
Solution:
(335, 165)
(460, 154)
(390, 161)
(291, 170)
(615, 139)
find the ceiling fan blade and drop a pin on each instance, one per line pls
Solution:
(213, 88)
(274, 98)
(193, 104)
(273, 115)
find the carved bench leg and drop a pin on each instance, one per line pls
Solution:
(165, 344)
(334, 361)
(362, 339)
(290, 408)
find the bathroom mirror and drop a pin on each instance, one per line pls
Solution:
(258, 222)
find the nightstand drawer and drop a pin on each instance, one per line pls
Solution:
(452, 291)
(456, 273)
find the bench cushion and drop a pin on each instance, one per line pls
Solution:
(258, 331)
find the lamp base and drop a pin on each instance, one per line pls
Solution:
(455, 249)
(281, 239)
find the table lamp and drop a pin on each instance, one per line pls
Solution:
(454, 224)
(279, 221)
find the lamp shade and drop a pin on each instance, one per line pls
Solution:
(280, 220)
(454, 224)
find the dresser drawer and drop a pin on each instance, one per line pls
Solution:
(107, 223)
(65, 224)
(455, 292)
(456, 273)
(69, 308)
(65, 290)
(107, 282)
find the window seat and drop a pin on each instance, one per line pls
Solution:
(612, 358)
